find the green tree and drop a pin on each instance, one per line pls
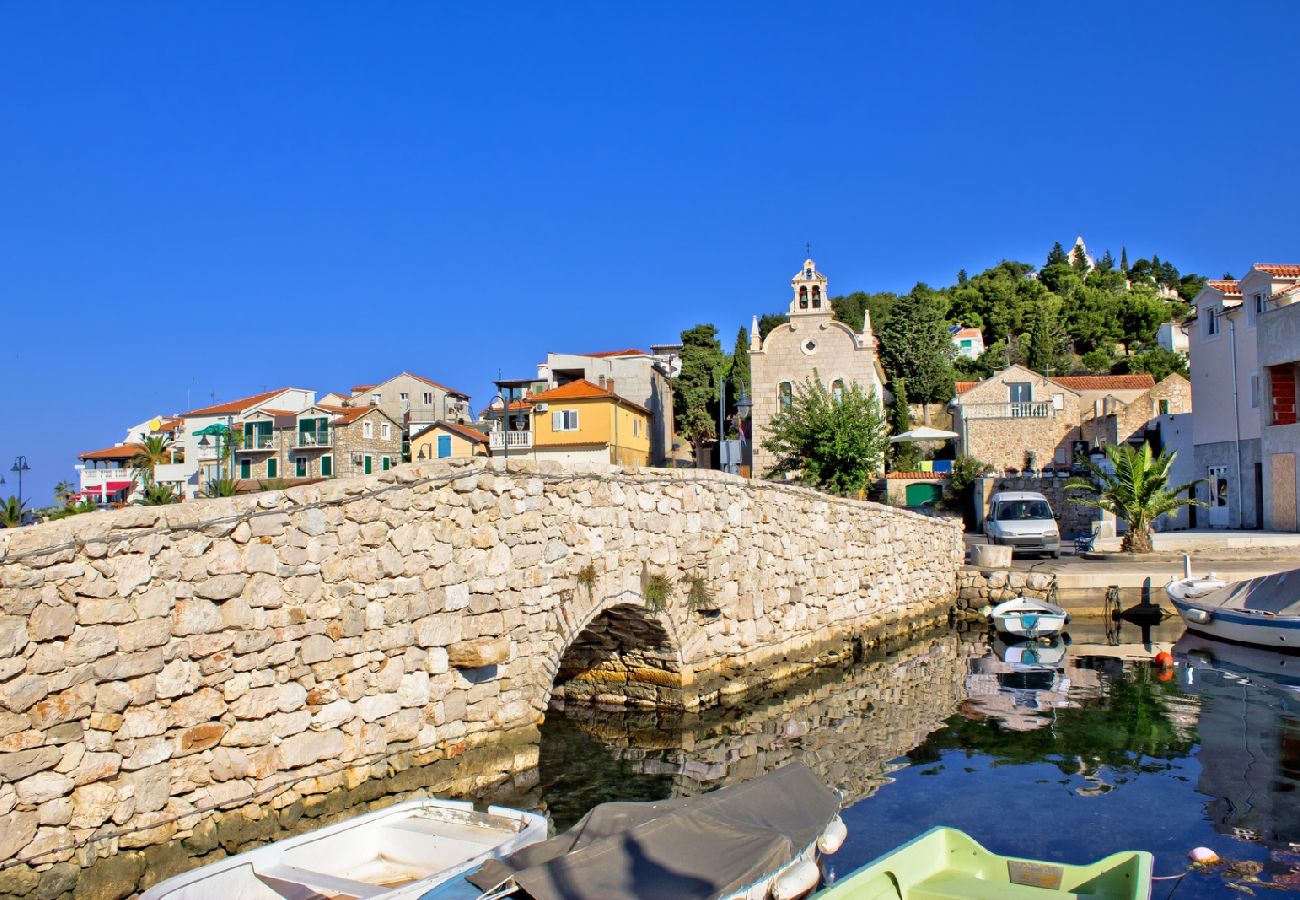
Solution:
(1098, 360)
(1057, 256)
(1107, 262)
(851, 309)
(903, 456)
(1091, 318)
(738, 377)
(1046, 352)
(1080, 261)
(11, 512)
(63, 493)
(834, 445)
(695, 391)
(959, 488)
(1140, 314)
(1157, 361)
(155, 450)
(1123, 260)
(221, 487)
(769, 322)
(1134, 488)
(915, 344)
(155, 494)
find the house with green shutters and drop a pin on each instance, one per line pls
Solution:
(321, 441)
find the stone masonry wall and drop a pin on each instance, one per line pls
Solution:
(161, 665)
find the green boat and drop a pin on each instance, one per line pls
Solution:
(947, 864)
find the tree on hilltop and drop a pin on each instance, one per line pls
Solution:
(1057, 256)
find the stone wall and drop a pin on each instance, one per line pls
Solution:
(977, 588)
(159, 666)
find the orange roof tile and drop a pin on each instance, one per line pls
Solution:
(1224, 285)
(1286, 292)
(967, 332)
(1106, 382)
(929, 476)
(121, 451)
(582, 389)
(362, 387)
(964, 386)
(233, 406)
(632, 351)
(464, 431)
(1280, 270)
(170, 424)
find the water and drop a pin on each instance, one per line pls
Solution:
(1088, 752)
(1095, 753)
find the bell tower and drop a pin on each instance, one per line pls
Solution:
(809, 292)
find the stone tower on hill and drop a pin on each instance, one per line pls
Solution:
(811, 345)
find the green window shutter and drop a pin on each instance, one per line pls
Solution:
(326, 466)
(271, 467)
(383, 463)
(245, 468)
(367, 465)
(248, 434)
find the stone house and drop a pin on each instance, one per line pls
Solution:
(811, 345)
(443, 440)
(1019, 420)
(413, 401)
(321, 441)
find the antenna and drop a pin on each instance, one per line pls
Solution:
(808, 249)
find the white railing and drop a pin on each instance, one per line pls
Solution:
(92, 478)
(1035, 410)
(512, 440)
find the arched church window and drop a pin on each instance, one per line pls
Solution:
(784, 396)
(803, 297)
(837, 389)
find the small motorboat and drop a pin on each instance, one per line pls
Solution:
(399, 852)
(947, 863)
(1025, 617)
(757, 840)
(1264, 611)
(1190, 587)
(1046, 652)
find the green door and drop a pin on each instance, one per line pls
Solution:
(923, 494)
(367, 465)
(245, 469)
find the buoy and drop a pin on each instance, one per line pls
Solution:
(1164, 659)
(796, 881)
(833, 837)
(1165, 675)
(1203, 856)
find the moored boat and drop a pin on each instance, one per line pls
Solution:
(1264, 611)
(947, 863)
(1025, 617)
(1044, 652)
(398, 852)
(757, 840)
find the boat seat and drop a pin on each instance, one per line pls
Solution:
(322, 882)
(959, 886)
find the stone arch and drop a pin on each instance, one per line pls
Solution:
(621, 654)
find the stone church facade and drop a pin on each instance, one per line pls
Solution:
(811, 345)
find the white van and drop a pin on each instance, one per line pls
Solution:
(1024, 521)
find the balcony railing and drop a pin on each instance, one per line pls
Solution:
(259, 442)
(1035, 410)
(510, 440)
(318, 438)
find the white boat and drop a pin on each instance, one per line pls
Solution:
(1264, 611)
(1028, 618)
(399, 852)
(1045, 652)
(1190, 587)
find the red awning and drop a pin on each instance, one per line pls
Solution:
(110, 487)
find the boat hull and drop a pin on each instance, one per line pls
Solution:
(1282, 632)
(1029, 619)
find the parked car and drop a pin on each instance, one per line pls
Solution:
(1024, 521)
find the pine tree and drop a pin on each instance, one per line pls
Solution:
(962, 277)
(1047, 343)
(915, 344)
(1080, 260)
(1057, 256)
(695, 391)
(738, 384)
(1107, 262)
(1123, 260)
(902, 456)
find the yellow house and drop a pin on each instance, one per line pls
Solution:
(582, 422)
(443, 439)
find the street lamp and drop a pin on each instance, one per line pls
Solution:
(20, 466)
(743, 407)
(217, 430)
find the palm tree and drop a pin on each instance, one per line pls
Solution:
(11, 512)
(221, 487)
(155, 450)
(63, 492)
(1135, 488)
(158, 495)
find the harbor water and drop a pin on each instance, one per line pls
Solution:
(1054, 751)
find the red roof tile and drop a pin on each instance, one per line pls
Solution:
(1224, 285)
(121, 451)
(1280, 270)
(607, 353)
(964, 386)
(582, 389)
(464, 431)
(929, 476)
(1106, 382)
(967, 333)
(234, 406)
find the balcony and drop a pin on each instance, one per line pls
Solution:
(510, 440)
(94, 477)
(318, 438)
(1035, 410)
(258, 442)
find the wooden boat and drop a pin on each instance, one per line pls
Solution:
(1263, 611)
(399, 852)
(947, 864)
(1025, 617)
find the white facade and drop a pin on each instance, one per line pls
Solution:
(1173, 337)
(203, 460)
(968, 341)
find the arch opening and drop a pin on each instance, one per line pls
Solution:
(624, 657)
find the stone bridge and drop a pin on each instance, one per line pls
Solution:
(161, 665)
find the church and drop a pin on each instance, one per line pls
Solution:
(811, 345)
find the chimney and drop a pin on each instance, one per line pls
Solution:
(607, 383)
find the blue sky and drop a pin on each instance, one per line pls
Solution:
(203, 200)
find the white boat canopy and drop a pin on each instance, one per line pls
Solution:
(923, 433)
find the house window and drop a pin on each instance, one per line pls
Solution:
(326, 466)
(1258, 303)
(1254, 392)
(383, 463)
(300, 466)
(368, 429)
(564, 420)
(636, 428)
(428, 398)
(1211, 321)
(1164, 407)
(386, 431)
(375, 398)
(444, 446)
(272, 468)
(784, 396)
(406, 398)
(837, 389)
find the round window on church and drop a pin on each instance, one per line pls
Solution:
(809, 347)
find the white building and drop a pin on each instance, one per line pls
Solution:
(968, 341)
(200, 452)
(1173, 337)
